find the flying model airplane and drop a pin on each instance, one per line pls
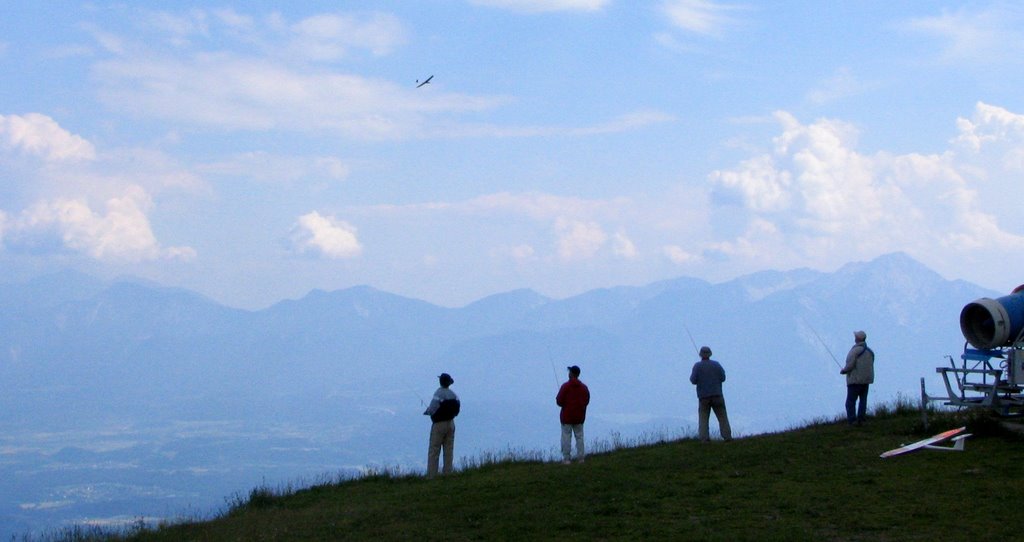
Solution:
(424, 82)
(930, 442)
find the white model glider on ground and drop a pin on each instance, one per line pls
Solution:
(930, 443)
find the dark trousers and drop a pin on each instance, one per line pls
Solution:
(853, 393)
(704, 407)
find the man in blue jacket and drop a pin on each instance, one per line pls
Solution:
(708, 375)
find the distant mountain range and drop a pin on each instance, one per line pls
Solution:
(79, 353)
(131, 344)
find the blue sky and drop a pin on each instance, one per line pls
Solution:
(254, 151)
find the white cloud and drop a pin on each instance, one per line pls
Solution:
(154, 170)
(520, 253)
(814, 174)
(679, 256)
(981, 36)
(579, 240)
(268, 73)
(222, 90)
(320, 37)
(673, 43)
(750, 246)
(623, 247)
(325, 235)
(699, 16)
(988, 153)
(41, 136)
(759, 184)
(233, 19)
(180, 28)
(537, 206)
(990, 125)
(79, 201)
(816, 198)
(840, 85)
(575, 222)
(623, 123)
(274, 74)
(123, 233)
(330, 36)
(538, 6)
(266, 167)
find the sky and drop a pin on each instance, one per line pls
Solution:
(253, 151)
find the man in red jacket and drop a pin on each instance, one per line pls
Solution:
(573, 397)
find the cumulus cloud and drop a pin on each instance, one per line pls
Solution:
(816, 197)
(830, 184)
(990, 125)
(758, 183)
(40, 135)
(77, 201)
(538, 6)
(578, 240)
(121, 233)
(325, 235)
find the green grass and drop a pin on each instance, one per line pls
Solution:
(824, 481)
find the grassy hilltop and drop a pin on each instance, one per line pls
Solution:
(820, 482)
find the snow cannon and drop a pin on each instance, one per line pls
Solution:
(993, 323)
(990, 374)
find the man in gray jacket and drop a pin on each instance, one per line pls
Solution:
(708, 375)
(860, 373)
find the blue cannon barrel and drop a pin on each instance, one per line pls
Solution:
(992, 323)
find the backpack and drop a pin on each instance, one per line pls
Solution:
(447, 410)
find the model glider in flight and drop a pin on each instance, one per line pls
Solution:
(955, 435)
(427, 80)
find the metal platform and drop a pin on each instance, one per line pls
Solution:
(990, 379)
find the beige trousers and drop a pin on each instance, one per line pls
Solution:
(568, 430)
(442, 435)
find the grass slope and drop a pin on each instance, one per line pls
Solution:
(821, 482)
